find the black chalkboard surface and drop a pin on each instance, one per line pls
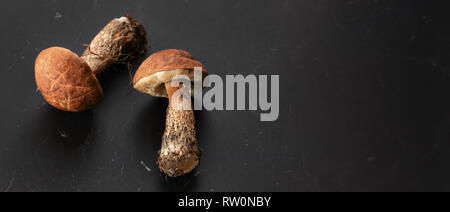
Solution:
(364, 97)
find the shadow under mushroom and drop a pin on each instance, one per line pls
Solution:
(62, 131)
(56, 147)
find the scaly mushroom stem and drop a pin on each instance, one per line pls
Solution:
(179, 153)
(120, 41)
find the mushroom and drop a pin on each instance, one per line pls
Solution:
(179, 153)
(69, 82)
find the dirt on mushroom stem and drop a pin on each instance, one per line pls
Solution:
(179, 153)
(123, 40)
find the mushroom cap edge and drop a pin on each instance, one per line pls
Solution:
(162, 67)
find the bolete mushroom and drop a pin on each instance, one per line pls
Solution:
(69, 82)
(179, 153)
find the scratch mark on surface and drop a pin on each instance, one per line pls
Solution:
(73, 179)
(11, 182)
(122, 167)
(63, 134)
(20, 56)
(58, 16)
(336, 20)
(122, 164)
(146, 167)
(12, 65)
(83, 147)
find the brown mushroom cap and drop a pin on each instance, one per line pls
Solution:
(161, 67)
(66, 81)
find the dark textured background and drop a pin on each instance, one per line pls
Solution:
(365, 97)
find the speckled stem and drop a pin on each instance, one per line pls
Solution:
(179, 153)
(121, 41)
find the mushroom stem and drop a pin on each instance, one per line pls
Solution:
(179, 153)
(120, 41)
